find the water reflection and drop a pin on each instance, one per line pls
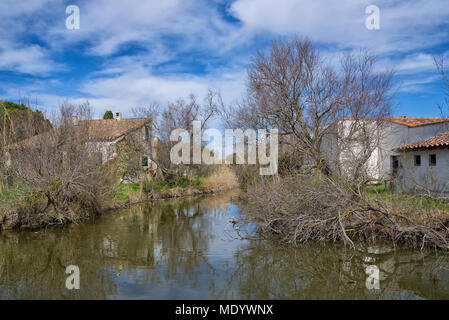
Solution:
(189, 250)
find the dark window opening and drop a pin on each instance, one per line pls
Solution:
(144, 161)
(147, 134)
(417, 160)
(97, 158)
(432, 160)
(395, 164)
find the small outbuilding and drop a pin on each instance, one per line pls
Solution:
(423, 166)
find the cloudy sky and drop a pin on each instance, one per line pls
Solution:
(131, 53)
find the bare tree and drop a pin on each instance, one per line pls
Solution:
(178, 115)
(331, 119)
(59, 172)
(441, 67)
(295, 90)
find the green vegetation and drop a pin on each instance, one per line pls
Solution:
(17, 119)
(10, 195)
(125, 192)
(122, 192)
(419, 202)
(108, 115)
(375, 189)
(15, 109)
(183, 182)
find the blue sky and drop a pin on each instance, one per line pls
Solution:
(136, 52)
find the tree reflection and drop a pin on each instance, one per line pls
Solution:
(168, 241)
(183, 249)
(269, 270)
(33, 266)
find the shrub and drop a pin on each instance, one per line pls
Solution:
(313, 207)
(108, 115)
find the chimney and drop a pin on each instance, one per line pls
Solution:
(118, 116)
(75, 120)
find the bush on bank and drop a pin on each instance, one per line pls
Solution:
(313, 207)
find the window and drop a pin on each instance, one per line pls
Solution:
(394, 164)
(147, 133)
(432, 159)
(417, 160)
(99, 158)
(144, 161)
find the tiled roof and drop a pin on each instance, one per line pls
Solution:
(111, 129)
(440, 141)
(97, 130)
(411, 122)
(416, 122)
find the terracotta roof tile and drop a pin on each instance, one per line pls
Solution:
(98, 130)
(439, 141)
(111, 129)
(411, 122)
(416, 122)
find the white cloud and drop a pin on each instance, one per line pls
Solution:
(138, 87)
(19, 20)
(188, 24)
(415, 63)
(407, 28)
(169, 30)
(417, 85)
(405, 25)
(31, 59)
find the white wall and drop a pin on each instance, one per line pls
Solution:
(434, 179)
(106, 148)
(350, 149)
(109, 148)
(395, 135)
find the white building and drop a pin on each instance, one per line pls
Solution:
(423, 166)
(414, 151)
(401, 131)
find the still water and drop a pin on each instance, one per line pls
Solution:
(189, 249)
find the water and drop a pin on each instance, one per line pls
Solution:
(189, 250)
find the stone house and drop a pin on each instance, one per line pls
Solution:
(105, 135)
(109, 139)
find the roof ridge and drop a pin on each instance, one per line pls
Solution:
(117, 119)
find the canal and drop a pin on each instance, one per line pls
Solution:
(191, 249)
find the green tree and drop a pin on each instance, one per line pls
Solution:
(108, 115)
(19, 121)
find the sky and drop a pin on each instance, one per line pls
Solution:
(134, 53)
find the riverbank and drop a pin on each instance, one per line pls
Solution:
(27, 211)
(312, 208)
(188, 248)
(221, 180)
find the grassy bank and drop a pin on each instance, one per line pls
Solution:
(220, 180)
(422, 204)
(19, 209)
